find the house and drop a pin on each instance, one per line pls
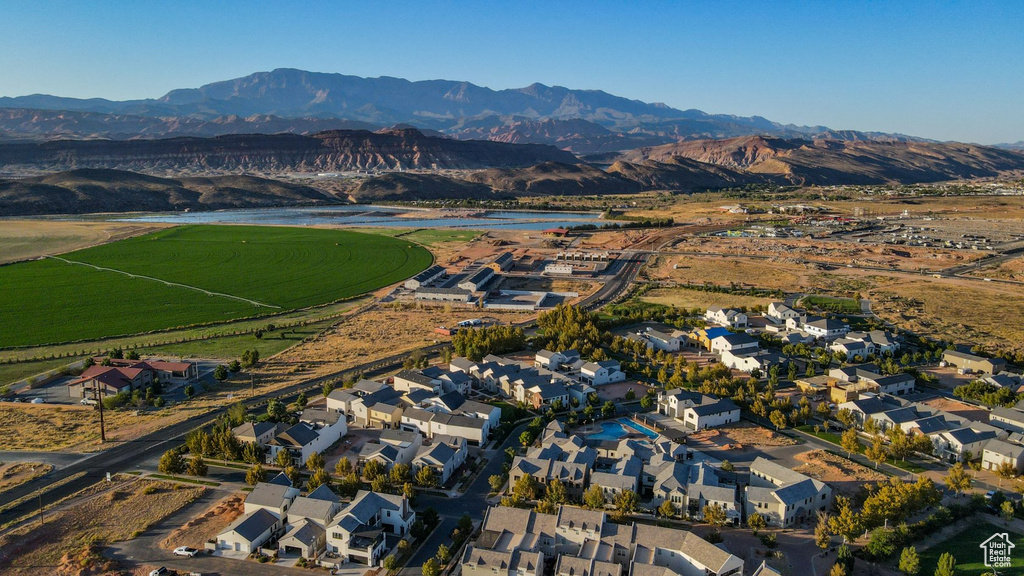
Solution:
(738, 343)
(870, 374)
(260, 433)
(711, 412)
(778, 313)
(169, 373)
(543, 395)
(851, 349)
(997, 452)
(705, 487)
(555, 361)
(445, 455)
(393, 447)
(765, 570)
(502, 263)
(275, 498)
(602, 372)
(1009, 419)
(954, 445)
(558, 269)
(477, 280)
(248, 532)
(109, 381)
(579, 542)
(443, 294)
(825, 328)
(673, 402)
(574, 476)
(702, 338)
(749, 361)
(425, 278)
(308, 518)
(971, 363)
(660, 340)
(877, 342)
(302, 440)
(784, 497)
(726, 317)
(409, 380)
(357, 532)
(474, 430)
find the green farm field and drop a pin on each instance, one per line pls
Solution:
(194, 275)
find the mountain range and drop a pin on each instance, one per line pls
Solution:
(301, 102)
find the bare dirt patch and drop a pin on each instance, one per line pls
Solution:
(26, 239)
(958, 408)
(844, 476)
(17, 473)
(742, 435)
(119, 514)
(683, 298)
(197, 531)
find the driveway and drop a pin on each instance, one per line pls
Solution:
(146, 551)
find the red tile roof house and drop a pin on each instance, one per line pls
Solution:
(110, 380)
(128, 375)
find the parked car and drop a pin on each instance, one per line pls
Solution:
(161, 571)
(89, 402)
(37, 401)
(185, 551)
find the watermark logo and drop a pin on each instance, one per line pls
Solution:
(998, 550)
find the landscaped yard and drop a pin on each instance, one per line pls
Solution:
(832, 303)
(966, 548)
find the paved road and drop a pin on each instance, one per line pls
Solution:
(473, 502)
(56, 459)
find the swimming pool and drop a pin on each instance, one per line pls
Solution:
(621, 428)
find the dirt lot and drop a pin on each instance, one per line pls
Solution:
(26, 239)
(683, 298)
(740, 436)
(378, 333)
(206, 525)
(12, 475)
(121, 513)
(844, 476)
(958, 408)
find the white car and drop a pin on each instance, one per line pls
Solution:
(185, 551)
(36, 401)
(161, 571)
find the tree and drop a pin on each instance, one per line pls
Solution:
(431, 568)
(190, 391)
(958, 480)
(626, 503)
(594, 498)
(276, 410)
(343, 467)
(525, 488)
(348, 485)
(845, 522)
(910, 563)
(252, 453)
(466, 525)
(876, 452)
(426, 477)
(318, 479)
(727, 466)
(255, 475)
(380, 484)
(608, 410)
(234, 366)
(846, 417)
(526, 438)
(947, 565)
(837, 570)
(443, 554)
(171, 462)
(756, 522)
(250, 357)
(390, 563)
(667, 509)
(372, 469)
(197, 467)
(556, 492)
(400, 474)
(283, 458)
(844, 557)
(220, 373)
(315, 460)
(497, 481)
(294, 475)
(849, 442)
(822, 534)
(714, 515)
(409, 491)
(1006, 509)
(778, 419)
(1006, 471)
(301, 400)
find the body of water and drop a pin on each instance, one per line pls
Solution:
(373, 216)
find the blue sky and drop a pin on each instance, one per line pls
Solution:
(944, 70)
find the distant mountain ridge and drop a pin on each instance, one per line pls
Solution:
(90, 191)
(337, 150)
(567, 118)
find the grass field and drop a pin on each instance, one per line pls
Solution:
(965, 547)
(835, 304)
(192, 275)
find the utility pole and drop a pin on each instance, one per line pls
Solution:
(41, 510)
(99, 402)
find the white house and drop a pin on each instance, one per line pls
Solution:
(667, 341)
(758, 360)
(997, 452)
(825, 328)
(738, 343)
(953, 445)
(603, 372)
(778, 313)
(444, 455)
(249, 532)
(710, 413)
(726, 317)
(357, 532)
(303, 439)
(782, 496)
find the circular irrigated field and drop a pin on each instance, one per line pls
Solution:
(193, 275)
